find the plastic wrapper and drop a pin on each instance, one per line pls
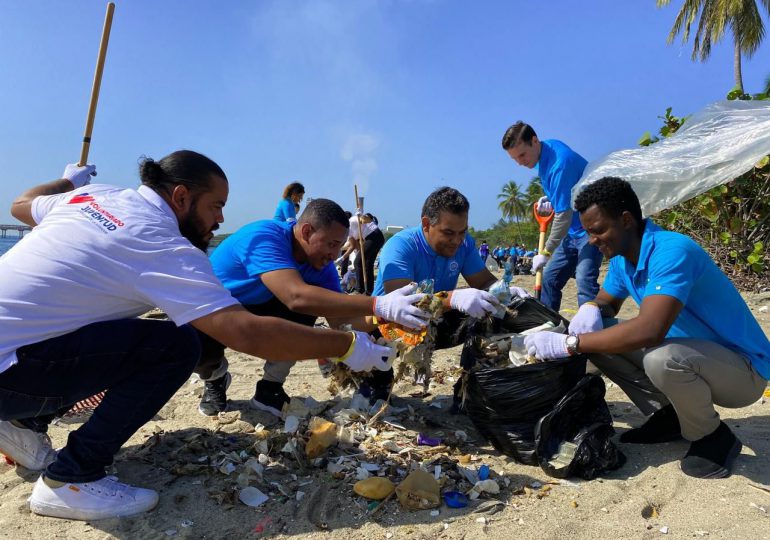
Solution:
(573, 439)
(714, 146)
(502, 292)
(419, 491)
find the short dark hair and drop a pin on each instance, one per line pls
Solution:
(613, 195)
(293, 189)
(184, 167)
(444, 199)
(321, 213)
(349, 214)
(518, 132)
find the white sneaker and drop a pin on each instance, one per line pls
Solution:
(28, 448)
(101, 499)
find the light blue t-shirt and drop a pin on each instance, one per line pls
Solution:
(259, 247)
(407, 255)
(560, 168)
(285, 211)
(674, 265)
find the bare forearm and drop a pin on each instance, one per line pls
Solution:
(625, 336)
(322, 302)
(276, 339)
(21, 208)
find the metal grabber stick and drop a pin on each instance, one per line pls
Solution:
(360, 207)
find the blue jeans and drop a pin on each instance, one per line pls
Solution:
(140, 362)
(574, 257)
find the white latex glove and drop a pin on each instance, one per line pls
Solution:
(79, 176)
(539, 261)
(398, 307)
(474, 302)
(518, 291)
(546, 345)
(364, 354)
(544, 206)
(588, 319)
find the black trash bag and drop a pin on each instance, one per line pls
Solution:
(506, 403)
(529, 314)
(574, 438)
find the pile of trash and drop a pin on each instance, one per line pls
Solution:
(345, 439)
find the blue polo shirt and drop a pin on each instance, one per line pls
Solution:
(674, 265)
(407, 255)
(285, 211)
(259, 247)
(560, 168)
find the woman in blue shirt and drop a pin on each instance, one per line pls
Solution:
(292, 195)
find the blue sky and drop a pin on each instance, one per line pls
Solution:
(400, 96)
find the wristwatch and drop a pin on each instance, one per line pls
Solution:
(572, 342)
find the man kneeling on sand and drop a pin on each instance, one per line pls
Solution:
(694, 344)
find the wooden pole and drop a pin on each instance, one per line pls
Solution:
(360, 207)
(97, 84)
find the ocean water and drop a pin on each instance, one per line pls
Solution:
(9, 242)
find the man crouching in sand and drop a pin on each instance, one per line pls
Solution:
(694, 344)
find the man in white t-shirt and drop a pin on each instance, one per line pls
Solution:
(70, 293)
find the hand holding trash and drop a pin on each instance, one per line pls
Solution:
(77, 175)
(474, 302)
(588, 319)
(520, 292)
(544, 206)
(398, 307)
(364, 354)
(546, 345)
(539, 261)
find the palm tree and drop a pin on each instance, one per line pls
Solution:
(534, 192)
(741, 16)
(512, 203)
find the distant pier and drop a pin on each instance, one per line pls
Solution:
(20, 230)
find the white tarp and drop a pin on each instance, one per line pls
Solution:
(715, 145)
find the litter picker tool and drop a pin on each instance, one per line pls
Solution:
(543, 221)
(97, 84)
(360, 207)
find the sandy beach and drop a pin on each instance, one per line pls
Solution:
(648, 497)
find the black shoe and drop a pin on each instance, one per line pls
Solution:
(269, 397)
(662, 426)
(713, 455)
(214, 398)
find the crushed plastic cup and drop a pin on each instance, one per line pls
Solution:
(455, 499)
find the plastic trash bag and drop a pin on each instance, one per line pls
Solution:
(574, 438)
(529, 314)
(714, 146)
(505, 404)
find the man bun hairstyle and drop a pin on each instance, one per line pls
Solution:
(444, 199)
(518, 132)
(321, 213)
(184, 167)
(613, 195)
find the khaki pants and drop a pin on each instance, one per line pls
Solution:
(691, 374)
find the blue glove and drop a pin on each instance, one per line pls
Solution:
(546, 345)
(588, 319)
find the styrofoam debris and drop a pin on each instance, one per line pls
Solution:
(251, 496)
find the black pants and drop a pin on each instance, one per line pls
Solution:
(372, 246)
(212, 351)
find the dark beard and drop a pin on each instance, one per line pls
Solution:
(194, 230)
